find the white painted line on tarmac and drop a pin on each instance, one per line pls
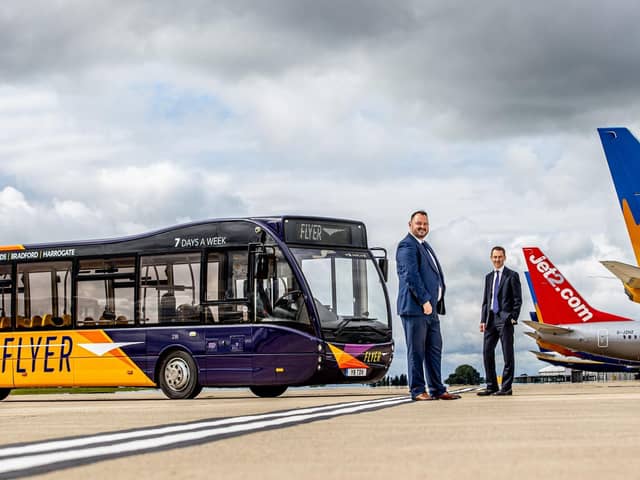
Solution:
(467, 389)
(85, 441)
(49, 456)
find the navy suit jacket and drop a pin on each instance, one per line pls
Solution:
(509, 297)
(418, 277)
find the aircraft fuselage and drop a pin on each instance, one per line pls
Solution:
(611, 339)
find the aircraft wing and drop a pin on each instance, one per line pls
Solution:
(548, 328)
(584, 364)
(547, 357)
(629, 274)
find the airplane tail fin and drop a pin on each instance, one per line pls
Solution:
(535, 316)
(555, 299)
(629, 275)
(622, 152)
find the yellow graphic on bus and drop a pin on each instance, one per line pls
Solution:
(71, 358)
(344, 359)
(11, 248)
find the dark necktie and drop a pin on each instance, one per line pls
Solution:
(432, 256)
(494, 304)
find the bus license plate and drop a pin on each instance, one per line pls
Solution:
(356, 372)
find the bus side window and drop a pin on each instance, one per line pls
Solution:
(105, 288)
(214, 287)
(214, 283)
(226, 296)
(186, 278)
(170, 289)
(6, 282)
(237, 274)
(44, 293)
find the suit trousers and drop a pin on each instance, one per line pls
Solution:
(424, 353)
(494, 331)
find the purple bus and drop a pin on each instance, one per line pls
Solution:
(264, 303)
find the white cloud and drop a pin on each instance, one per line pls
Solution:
(13, 201)
(73, 210)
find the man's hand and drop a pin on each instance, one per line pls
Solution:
(483, 326)
(427, 308)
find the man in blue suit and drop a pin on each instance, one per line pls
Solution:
(420, 300)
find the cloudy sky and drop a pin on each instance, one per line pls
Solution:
(121, 117)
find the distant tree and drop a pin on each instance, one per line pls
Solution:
(396, 381)
(464, 375)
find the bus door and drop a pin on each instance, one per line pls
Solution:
(285, 348)
(228, 334)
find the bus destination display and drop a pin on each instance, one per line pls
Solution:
(324, 233)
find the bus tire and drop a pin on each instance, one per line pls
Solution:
(179, 376)
(4, 393)
(196, 392)
(268, 391)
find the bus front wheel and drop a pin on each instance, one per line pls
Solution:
(268, 391)
(4, 393)
(179, 376)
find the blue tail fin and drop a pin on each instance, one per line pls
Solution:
(534, 315)
(622, 151)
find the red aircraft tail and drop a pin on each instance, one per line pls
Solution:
(557, 302)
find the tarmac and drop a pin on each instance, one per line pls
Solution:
(586, 431)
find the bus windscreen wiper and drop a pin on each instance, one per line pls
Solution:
(346, 321)
(381, 331)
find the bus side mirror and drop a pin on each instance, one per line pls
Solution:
(383, 263)
(262, 266)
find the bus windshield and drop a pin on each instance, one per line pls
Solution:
(348, 294)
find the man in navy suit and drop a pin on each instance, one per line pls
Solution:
(500, 310)
(420, 300)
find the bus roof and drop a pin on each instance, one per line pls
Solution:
(203, 234)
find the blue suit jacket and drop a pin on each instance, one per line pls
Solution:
(418, 277)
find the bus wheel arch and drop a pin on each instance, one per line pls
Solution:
(177, 374)
(268, 391)
(4, 393)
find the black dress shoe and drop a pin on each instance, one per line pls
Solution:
(486, 393)
(503, 393)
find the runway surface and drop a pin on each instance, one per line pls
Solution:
(581, 430)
